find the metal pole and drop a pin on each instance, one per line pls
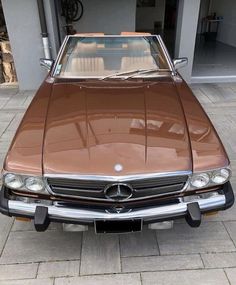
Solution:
(44, 30)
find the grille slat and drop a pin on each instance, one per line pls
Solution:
(157, 182)
(94, 189)
(157, 189)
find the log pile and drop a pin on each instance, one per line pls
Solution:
(1, 72)
(7, 68)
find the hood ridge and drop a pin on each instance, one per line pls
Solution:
(143, 129)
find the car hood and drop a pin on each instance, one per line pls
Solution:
(92, 127)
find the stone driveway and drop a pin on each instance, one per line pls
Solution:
(183, 255)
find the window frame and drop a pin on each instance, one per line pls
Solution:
(64, 44)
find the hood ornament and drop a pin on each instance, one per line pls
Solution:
(118, 167)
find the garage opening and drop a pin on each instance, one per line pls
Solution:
(7, 67)
(158, 17)
(215, 49)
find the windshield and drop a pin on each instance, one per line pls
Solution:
(108, 55)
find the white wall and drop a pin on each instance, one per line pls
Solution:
(108, 16)
(227, 29)
(146, 16)
(22, 19)
(186, 33)
(24, 32)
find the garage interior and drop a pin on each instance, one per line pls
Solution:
(162, 17)
(175, 20)
(215, 49)
(158, 17)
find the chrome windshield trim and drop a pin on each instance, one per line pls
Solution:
(167, 55)
(62, 48)
(122, 178)
(165, 73)
(59, 56)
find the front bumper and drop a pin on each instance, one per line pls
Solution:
(59, 212)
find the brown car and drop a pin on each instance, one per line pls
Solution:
(114, 138)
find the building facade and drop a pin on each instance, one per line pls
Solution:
(183, 23)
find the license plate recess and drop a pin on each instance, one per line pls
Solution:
(123, 226)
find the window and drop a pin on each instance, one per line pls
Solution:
(102, 56)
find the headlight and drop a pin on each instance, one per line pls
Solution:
(13, 181)
(200, 180)
(34, 184)
(24, 183)
(209, 178)
(220, 176)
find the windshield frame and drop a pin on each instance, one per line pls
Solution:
(64, 44)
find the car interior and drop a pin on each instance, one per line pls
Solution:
(99, 57)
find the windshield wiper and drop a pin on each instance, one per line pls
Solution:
(133, 73)
(123, 73)
(140, 72)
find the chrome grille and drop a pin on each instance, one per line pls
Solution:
(94, 189)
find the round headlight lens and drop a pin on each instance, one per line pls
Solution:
(220, 176)
(200, 180)
(34, 184)
(13, 181)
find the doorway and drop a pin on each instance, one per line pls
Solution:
(170, 24)
(215, 49)
(158, 17)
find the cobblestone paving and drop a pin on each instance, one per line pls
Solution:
(206, 255)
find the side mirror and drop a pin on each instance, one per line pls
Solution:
(180, 62)
(46, 63)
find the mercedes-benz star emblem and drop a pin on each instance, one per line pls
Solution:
(118, 167)
(118, 209)
(118, 192)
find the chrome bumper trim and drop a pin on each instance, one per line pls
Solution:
(58, 212)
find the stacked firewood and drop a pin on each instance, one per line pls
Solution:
(1, 72)
(7, 68)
